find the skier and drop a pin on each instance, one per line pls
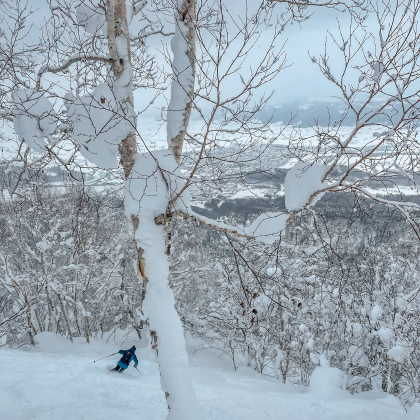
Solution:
(128, 356)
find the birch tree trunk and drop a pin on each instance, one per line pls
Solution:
(66, 319)
(152, 237)
(31, 328)
(38, 320)
(85, 316)
(50, 310)
(183, 68)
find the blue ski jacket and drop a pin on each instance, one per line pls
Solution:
(133, 357)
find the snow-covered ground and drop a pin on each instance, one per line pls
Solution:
(59, 381)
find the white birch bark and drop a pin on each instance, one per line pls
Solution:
(183, 75)
(152, 238)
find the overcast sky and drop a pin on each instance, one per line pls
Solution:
(302, 81)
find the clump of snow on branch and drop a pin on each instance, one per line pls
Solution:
(182, 79)
(376, 313)
(396, 353)
(301, 182)
(271, 271)
(385, 333)
(92, 18)
(43, 245)
(123, 86)
(154, 180)
(34, 118)
(267, 227)
(377, 71)
(99, 123)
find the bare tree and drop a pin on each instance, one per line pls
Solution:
(377, 80)
(76, 82)
(90, 49)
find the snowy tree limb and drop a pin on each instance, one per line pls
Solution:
(65, 65)
(204, 221)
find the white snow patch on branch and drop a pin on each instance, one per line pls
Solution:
(301, 182)
(123, 86)
(396, 353)
(271, 271)
(377, 71)
(146, 193)
(100, 122)
(267, 227)
(43, 245)
(182, 80)
(376, 313)
(385, 333)
(34, 118)
(92, 19)
(122, 47)
(154, 180)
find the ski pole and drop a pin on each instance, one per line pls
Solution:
(138, 371)
(105, 357)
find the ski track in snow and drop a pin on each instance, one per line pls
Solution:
(59, 381)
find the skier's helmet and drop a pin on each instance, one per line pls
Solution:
(134, 347)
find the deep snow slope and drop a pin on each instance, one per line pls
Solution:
(59, 381)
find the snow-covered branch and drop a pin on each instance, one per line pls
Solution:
(138, 6)
(66, 64)
(205, 221)
(183, 68)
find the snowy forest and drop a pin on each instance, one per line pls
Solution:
(161, 184)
